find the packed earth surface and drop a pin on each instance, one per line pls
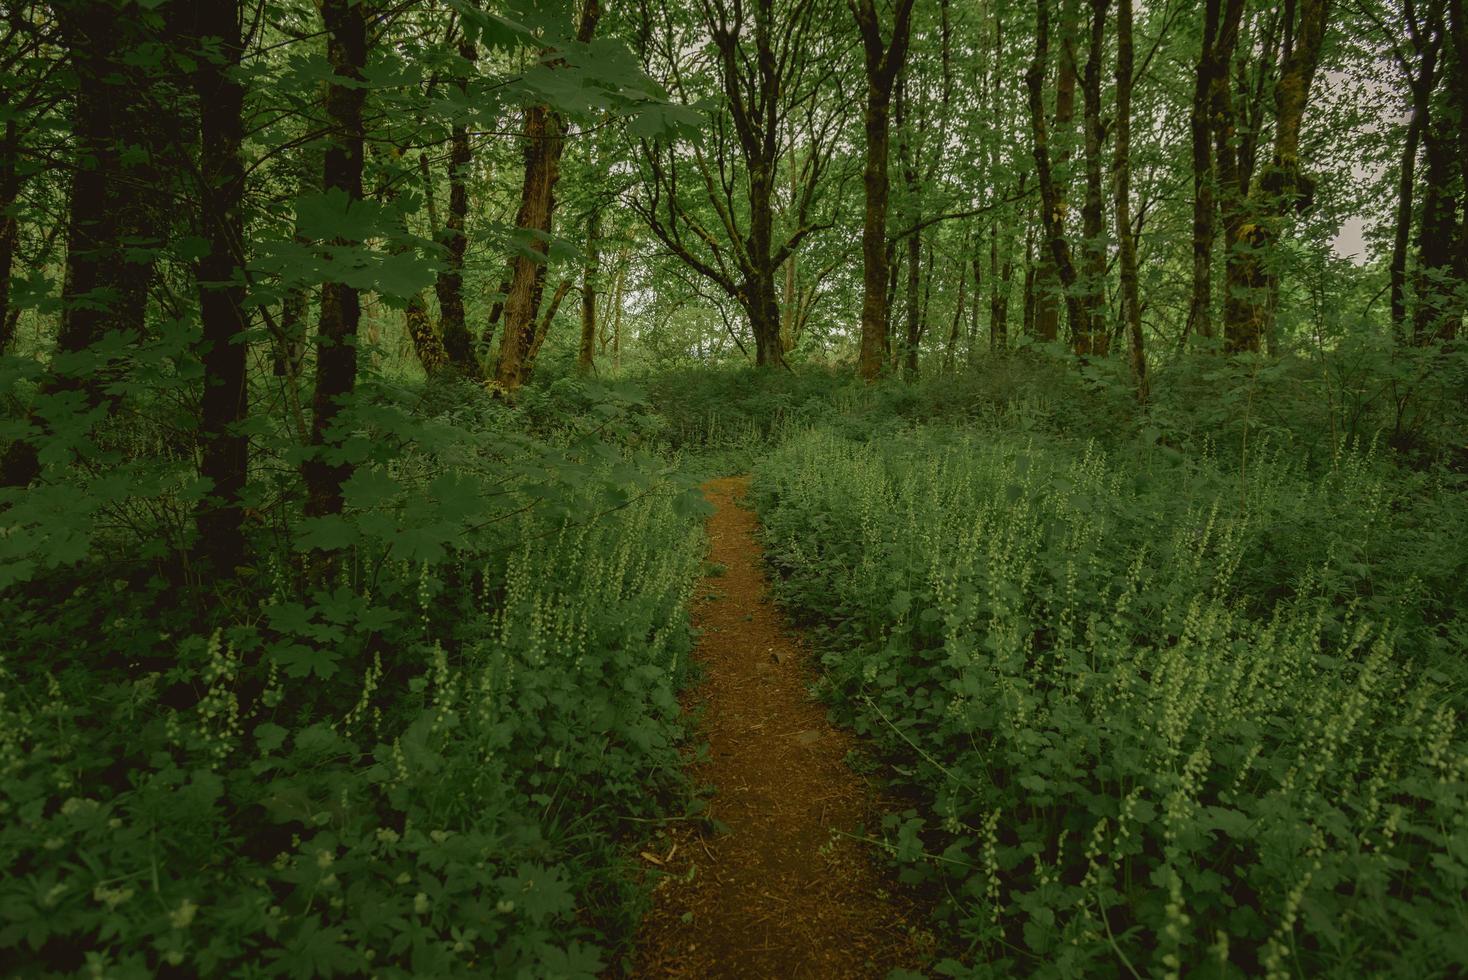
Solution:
(787, 889)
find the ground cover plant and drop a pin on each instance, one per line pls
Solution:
(1156, 715)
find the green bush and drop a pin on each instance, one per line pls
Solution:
(1160, 716)
(430, 767)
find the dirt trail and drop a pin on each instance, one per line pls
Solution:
(780, 896)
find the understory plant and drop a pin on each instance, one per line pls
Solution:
(1156, 716)
(426, 762)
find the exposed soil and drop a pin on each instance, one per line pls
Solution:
(782, 894)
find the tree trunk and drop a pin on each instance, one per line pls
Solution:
(617, 319)
(1090, 337)
(427, 345)
(999, 281)
(757, 293)
(115, 222)
(1052, 201)
(586, 356)
(224, 449)
(288, 350)
(542, 330)
(1210, 68)
(1048, 286)
(884, 62)
(458, 345)
(1421, 85)
(912, 338)
(912, 245)
(1276, 194)
(1437, 314)
(9, 226)
(341, 308)
(1121, 171)
(544, 142)
(1458, 87)
(422, 334)
(951, 354)
(1231, 159)
(486, 339)
(1027, 315)
(790, 315)
(973, 309)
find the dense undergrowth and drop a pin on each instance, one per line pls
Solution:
(427, 764)
(1407, 401)
(1201, 683)
(1157, 714)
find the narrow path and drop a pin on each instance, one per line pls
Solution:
(781, 895)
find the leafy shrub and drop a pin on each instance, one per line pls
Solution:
(425, 768)
(1160, 716)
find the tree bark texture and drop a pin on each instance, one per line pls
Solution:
(1205, 207)
(544, 134)
(9, 226)
(1091, 336)
(884, 61)
(341, 307)
(224, 449)
(1052, 200)
(458, 345)
(1426, 44)
(1121, 170)
(1441, 265)
(1249, 309)
(586, 355)
(116, 219)
(1048, 283)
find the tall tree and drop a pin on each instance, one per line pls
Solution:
(769, 64)
(1416, 58)
(544, 136)
(115, 222)
(1439, 303)
(224, 448)
(458, 345)
(883, 61)
(1091, 335)
(1052, 197)
(906, 354)
(341, 305)
(1458, 23)
(1205, 208)
(1050, 288)
(586, 353)
(1121, 172)
(9, 224)
(27, 97)
(1280, 190)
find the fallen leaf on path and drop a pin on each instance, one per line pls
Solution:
(650, 856)
(779, 656)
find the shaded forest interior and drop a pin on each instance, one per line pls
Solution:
(1097, 365)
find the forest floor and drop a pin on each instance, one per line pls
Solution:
(784, 892)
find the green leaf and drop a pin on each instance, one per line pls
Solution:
(269, 737)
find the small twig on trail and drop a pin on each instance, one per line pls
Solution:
(888, 847)
(918, 748)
